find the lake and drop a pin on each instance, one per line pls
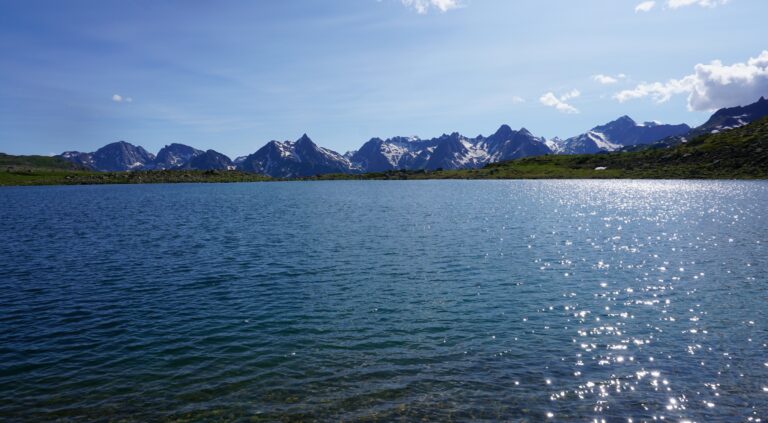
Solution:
(436, 300)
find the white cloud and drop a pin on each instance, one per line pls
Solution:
(517, 99)
(608, 79)
(660, 91)
(605, 79)
(423, 6)
(560, 103)
(645, 6)
(711, 86)
(674, 4)
(570, 95)
(117, 98)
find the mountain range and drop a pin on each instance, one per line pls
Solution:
(453, 151)
(303, 158)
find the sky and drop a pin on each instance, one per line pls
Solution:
(233, 75)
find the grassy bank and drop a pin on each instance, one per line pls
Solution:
(43, 176)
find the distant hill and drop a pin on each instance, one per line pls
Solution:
(722, 120)
(10, 162)
(734, 117)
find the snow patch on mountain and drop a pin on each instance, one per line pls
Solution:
(602, 141)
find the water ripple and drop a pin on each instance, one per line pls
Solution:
(433, 300)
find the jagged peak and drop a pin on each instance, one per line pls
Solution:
(621, 122)
(304, 139)
(524, 131)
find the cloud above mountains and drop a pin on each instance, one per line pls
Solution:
(608, 79)
(675, 4)
(423, 6)
(117, 98)
(647, 6)
(560, 103)
(711, 86)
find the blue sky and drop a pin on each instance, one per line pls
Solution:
(233, 75)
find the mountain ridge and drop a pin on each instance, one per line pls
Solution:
(617, 134)
(304, 158)
(741, 153)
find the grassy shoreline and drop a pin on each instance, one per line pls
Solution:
(37, 177)
(518, 170)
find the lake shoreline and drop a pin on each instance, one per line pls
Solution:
(46, 178)
(525, 169)
(181, 182)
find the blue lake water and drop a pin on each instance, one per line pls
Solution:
(437, 300)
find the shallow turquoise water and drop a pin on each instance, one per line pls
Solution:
(439, 300)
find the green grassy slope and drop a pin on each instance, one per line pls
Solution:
(8, 161)
(31, 170)
(41, 176)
